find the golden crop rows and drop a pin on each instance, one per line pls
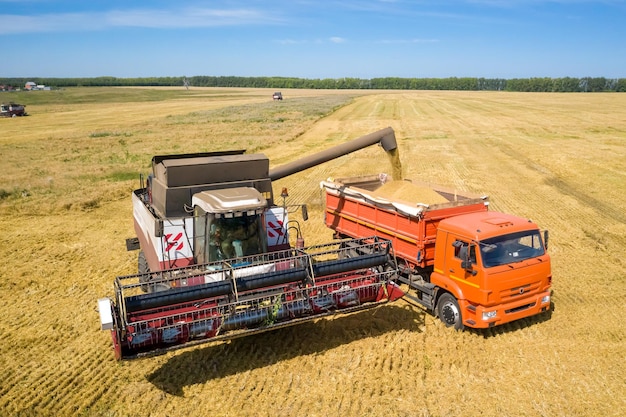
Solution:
(69, 168)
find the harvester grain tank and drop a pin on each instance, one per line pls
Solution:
(216, 262)
(470, 266)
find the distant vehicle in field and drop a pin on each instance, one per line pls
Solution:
(12, 110)
(277, 95)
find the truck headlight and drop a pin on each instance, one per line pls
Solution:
(545, 299)
(488, 315)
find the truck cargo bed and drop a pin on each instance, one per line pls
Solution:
(364, 206)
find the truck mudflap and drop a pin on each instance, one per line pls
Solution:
(482, 317)
(243, 296)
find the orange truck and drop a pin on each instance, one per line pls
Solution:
(470, 266)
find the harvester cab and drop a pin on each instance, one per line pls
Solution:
(228, 223)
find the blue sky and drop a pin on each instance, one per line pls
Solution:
(314, 38)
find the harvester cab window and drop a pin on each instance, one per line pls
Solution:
(234, 237)
(199, 236)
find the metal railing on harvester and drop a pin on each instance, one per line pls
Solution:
(221, 300)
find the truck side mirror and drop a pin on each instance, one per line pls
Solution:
(305, 213)
(546, 235)
(467, 266)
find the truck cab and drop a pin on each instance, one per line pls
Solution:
(491, 268)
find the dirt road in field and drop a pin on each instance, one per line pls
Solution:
(556, 158)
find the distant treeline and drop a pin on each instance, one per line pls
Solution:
(566, 84)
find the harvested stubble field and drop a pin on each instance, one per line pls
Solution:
(69, 168)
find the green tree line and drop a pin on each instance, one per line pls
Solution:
(566, 84)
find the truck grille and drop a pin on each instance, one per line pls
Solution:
(514, 293)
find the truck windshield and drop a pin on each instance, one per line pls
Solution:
(514, 247)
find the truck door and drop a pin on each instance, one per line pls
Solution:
(462, 267)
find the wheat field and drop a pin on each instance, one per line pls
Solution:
(65, 211)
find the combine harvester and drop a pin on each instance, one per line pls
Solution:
(12, 110)
(216, 260)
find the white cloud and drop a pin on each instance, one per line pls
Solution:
(290, 42)
(186, 18)
(145, 18)
(11, 24)
(406, 41)
(336, 39)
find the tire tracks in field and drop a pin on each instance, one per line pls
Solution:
(55, 392)
(585, 227)
(564, 187)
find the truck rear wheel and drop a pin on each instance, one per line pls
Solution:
(449, 312)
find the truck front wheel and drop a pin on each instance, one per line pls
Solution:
(449, 312)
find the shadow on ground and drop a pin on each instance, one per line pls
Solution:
(201, 365)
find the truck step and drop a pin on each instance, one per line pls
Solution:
(421, 285)
(427, 303)
(425, 289)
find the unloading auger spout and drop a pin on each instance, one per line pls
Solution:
(384, 137)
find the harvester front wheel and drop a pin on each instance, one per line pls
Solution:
(144, 270)
(449, 311)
